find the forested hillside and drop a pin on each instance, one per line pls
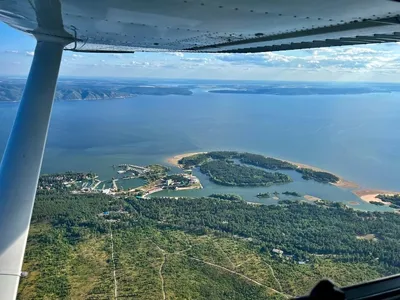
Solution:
(200, 248)
(80, 89)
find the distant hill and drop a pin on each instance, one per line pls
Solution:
(11, 90)
(315, 89)
(94, 89)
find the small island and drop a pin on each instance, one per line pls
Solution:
(294, 194)
(230, 197)
(263, 195)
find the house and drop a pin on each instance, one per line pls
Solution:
(277, 251)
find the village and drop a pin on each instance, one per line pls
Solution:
(155, 177)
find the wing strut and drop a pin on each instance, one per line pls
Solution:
(22, 160)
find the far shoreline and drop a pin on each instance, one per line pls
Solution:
(366, 195)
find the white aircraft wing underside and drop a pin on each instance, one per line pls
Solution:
(206, 25)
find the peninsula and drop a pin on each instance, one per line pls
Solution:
(233, 160)
(380, 198)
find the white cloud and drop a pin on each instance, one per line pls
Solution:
(196, 59)
(336, 59)
(178, 54)
(376, 62)
(358, 50)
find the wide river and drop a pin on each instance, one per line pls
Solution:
(354, 136)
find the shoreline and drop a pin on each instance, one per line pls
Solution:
(366, 195)
(341, 183)
(174, 159)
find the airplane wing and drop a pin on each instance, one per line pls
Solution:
(210, 25)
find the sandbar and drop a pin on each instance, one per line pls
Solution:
(311, 198)
(174, 160)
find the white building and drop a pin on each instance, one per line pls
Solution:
(106, 191)
(278, 251)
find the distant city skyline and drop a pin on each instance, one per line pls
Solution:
(378, 63)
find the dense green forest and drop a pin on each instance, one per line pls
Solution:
(394, 199)
(199, 248)
(299, 229)
(319, 176)
(56, 181)
(265, 162)
(246, 158)
(194, 160)
(225, 173)
(257, 160)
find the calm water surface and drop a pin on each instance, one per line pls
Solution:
(356, 137)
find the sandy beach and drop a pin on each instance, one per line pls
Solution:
(370, 195)
(174, 160)
(341, 183)
(312, 198)
(346, 184)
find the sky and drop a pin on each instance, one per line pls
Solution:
(377, 63)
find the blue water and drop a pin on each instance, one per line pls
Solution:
(303, 187)
(354, 136)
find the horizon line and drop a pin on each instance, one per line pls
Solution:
(61, 77)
